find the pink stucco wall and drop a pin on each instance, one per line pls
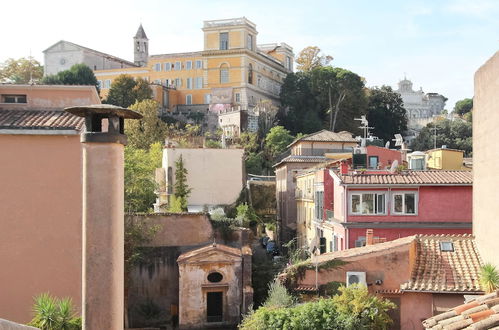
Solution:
(40, 221)
(385, 156)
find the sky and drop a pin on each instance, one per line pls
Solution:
(437, 44)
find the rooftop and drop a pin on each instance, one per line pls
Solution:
(39, 120)
(454, 268)
(479, 313)
(435, 177)
(327, 136)
(302, 159)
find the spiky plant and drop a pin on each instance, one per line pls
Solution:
(489, 278)
(46, 312)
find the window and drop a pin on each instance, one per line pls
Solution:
(157, 67)
(446, 246)
(360, 241)
(207, 98)
(167, 66)
(224, 41)
(367, 203)
(404, 203)
(107, 83)
(189, 83)
(224, 74)
(373, 162)
(319, 208)
(289, 64)
(99, 83)
(188, 65)
(178, 82)
(215, 277)
(198, 82)
(188, 99)
(238, 97)
(199, 64)
(157, 81)
(250, 74)
(178, 66)
(14, 98)
(249, 42)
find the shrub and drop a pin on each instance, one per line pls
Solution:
(278, 296)
(51, 313)
(489, 278)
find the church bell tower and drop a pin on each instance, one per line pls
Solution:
(140, 47)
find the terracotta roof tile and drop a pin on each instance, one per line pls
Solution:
(480, 313)
(302, 159)
(445, 272)
(410, 177)
(39, 119)
(327, 136)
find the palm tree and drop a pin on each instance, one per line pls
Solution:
(489, 278)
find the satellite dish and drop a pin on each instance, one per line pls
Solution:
(363, 143)
(394, 166)
(387, 145)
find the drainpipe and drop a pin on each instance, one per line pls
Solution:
(103, 215)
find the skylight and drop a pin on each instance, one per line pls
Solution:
(446, 246)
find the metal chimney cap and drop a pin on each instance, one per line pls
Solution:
(103, 109)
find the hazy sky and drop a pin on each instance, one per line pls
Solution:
(437, 44)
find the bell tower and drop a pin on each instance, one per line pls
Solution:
(140, 47)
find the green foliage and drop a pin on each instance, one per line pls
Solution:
(354, 309)
(21, 71)
(277, 140)
(489, 278)
(148, 130)
(149, 309)
(263, 272)
(296, 271)
(464, 106)
(51, 313)
(213, 144)
(296, 254)
(181, 189)
(139, 177)
(246, 215)
(278, 295)
(254, 163)
(323, 97)
(360, 310)
(78, 74)
(175, 205)
(125, 91)
(386, 112)
(455, 134)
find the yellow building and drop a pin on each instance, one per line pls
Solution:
(445, 159)
(232, 70)
(305, 208)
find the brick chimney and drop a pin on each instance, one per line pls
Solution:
(369, 237)
(103, 215)
(344, 167)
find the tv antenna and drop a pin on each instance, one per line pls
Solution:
(399, 140)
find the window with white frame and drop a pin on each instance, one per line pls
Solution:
(188, 99)
(99, 83)
(178, 82)
(198, 82)
(157, 67)
(199, 64)
(404, 203)
(224, 40)
(178, 65)
(207, 98)
(107, 83)
(249, 42)
(238, 97)
(366, 203)
(189, 83)
(188, 65)
(167, 66)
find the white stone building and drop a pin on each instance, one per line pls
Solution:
(421, 107)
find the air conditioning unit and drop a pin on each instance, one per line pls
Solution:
(356, 277)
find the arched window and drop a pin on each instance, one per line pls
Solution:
(224, 74)
(250, 74)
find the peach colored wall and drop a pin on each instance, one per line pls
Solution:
(415, 307)
(44, 97)
(40, 227)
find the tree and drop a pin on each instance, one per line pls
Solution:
(125, 91)
(140, 185)
(277, 140)
(21, 71)
(147, 130)
(278, 295)
(78, 74)
(464, 106)
(455, 134)
(181, 189)
(489, 278)
(310, 58)
(341, 93)
(386, 112)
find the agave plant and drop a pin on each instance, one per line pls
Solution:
(489, 278)
(51, 313)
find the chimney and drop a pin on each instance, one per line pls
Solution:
(103, 215)
(343, 167)
(369, 237)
